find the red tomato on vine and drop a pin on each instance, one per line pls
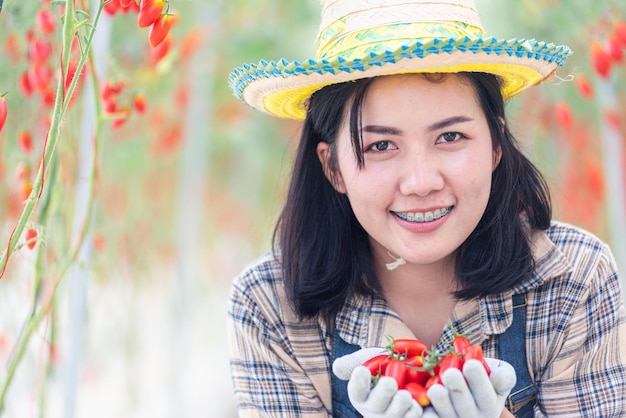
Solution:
(46, 21)
(25, 141)
(149, 12)
(396, 369)
(377, 364)
(409, 348)
(31, 238)
(451, 361)
(112, 7)
(584, 87)
(160, 29)
(416, 371)
(600, 59)
(619, 29)
(460, 344)
(3, 111)
(476, 353)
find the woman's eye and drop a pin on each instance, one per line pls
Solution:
(380, 146)
(451, 136)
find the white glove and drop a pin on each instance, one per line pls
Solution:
(472, 393)
(384, 400)
(343, 366)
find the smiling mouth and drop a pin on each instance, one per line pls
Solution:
(422, 217)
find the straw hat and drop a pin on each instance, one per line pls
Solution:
(367, 38)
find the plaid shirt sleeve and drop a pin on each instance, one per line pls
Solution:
(271, 369)
(578, 325)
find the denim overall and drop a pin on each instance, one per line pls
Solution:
(512, 349)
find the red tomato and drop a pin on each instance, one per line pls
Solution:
(122, 116)
(620, 31)
(25, 141)
(600, 59)
(158, 53)
(476, 353)
(584, 86)
(46, 21)
(377, 364)
(39, 51)
(415, 370)
(418, 392)
(27, 188)
(451, 361)
(139, 103)
(409, 348)
(435, 379)
(615, 49)
(149, 12)
(160, 28)
(112, 7)
(3, 112)
(460, 344)
(397, 370)
(111, 89)
(564, 115)
(31, 238)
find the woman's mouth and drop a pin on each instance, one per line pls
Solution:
(422, 217)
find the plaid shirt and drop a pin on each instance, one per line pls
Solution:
(575, 334)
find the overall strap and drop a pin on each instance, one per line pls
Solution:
(342, 408)
(512, 344)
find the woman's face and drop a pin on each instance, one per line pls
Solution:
(428, 158)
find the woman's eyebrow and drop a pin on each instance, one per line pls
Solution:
(389, 130)
(448, 122)
(383, 130)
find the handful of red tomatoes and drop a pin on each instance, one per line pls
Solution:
(416, 368)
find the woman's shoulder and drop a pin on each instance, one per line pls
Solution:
(570, 251)
(259, 288)
(571, 239)
(259, 275)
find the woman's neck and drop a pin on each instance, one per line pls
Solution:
(421, 295)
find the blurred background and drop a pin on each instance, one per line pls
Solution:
(159, 187)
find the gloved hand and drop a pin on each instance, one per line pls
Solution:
(472, 393)
(382, 401)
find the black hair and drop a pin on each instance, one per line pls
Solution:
(325, 252)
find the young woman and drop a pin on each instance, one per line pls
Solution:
(412, 213)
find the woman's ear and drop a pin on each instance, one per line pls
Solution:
(497, 156)
(497, 152)
(324, 155)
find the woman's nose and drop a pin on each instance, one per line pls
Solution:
(421, 175)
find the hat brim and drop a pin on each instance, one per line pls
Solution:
(282, 88)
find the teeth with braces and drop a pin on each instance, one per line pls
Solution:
(423, 216)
